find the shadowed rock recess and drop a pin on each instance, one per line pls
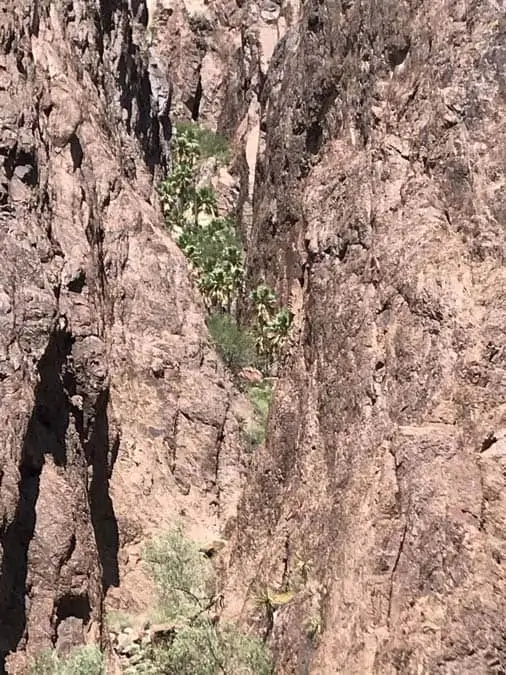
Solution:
(367, 535)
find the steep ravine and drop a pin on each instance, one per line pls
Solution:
(367, 171)
(379, 215)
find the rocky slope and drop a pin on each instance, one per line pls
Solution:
(379, 213)
(117, 415)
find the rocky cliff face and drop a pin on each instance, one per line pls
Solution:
(379, 214)
(117, 416)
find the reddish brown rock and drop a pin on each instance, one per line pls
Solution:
(117, 416)
(379, 217)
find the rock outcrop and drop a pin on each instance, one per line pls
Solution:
(379, 215)
(117, 416)
(368, 166)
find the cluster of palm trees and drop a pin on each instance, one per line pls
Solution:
(213, 247)
(272, 324)
(209, 241)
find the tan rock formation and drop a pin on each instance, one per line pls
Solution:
(380, 215)
(117, 416)
(370, 538)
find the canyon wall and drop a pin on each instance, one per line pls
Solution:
(368, 178)
(117, 416)
(379, 215)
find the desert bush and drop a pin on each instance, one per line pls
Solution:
(243, 654)
(236, 345)
(194, 650)
(255, 434)
(209, 143)
(183, 576)
(119, 620)
(260, 396)
(87, 660)
(187, 592)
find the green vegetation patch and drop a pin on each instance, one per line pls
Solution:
(260, 396)
(87, 660)
(209, 241)
(189, 598)
(119, 620)
(182, 574)
(214, 249)
(209, 143)
(236, 345)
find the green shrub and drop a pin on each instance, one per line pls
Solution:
(260, 396)
(203, 649)
(87, 660)
(195, 650)
(244, 654)
(255, 435)
(209, 143)
(185, 582)
(235, 344)
(183, 576)
(178, 190)
(119, 620)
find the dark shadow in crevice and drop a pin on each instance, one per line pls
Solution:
(45, 434)
(314, 136)
(147, 130)
(76, 152)
(15, 543)
(24, 163)
(135, 86)
(73, 605)
(103, 518)
(77, 284)
(107, 10)
(140, 11)
(195, 101)
(47, 429)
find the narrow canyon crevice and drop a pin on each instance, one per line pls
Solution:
(101, 452)
(15, 542)
(365, 148)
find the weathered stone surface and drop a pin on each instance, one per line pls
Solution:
(378, 216)
(372, 528)
(112, 398)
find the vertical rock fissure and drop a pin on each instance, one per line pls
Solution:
(197, 97)
(103, 518)
(14, 570)
(219, 442)
(45, 435)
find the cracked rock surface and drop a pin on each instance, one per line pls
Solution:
(371, 161)
(379, 214)
(117, 416)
